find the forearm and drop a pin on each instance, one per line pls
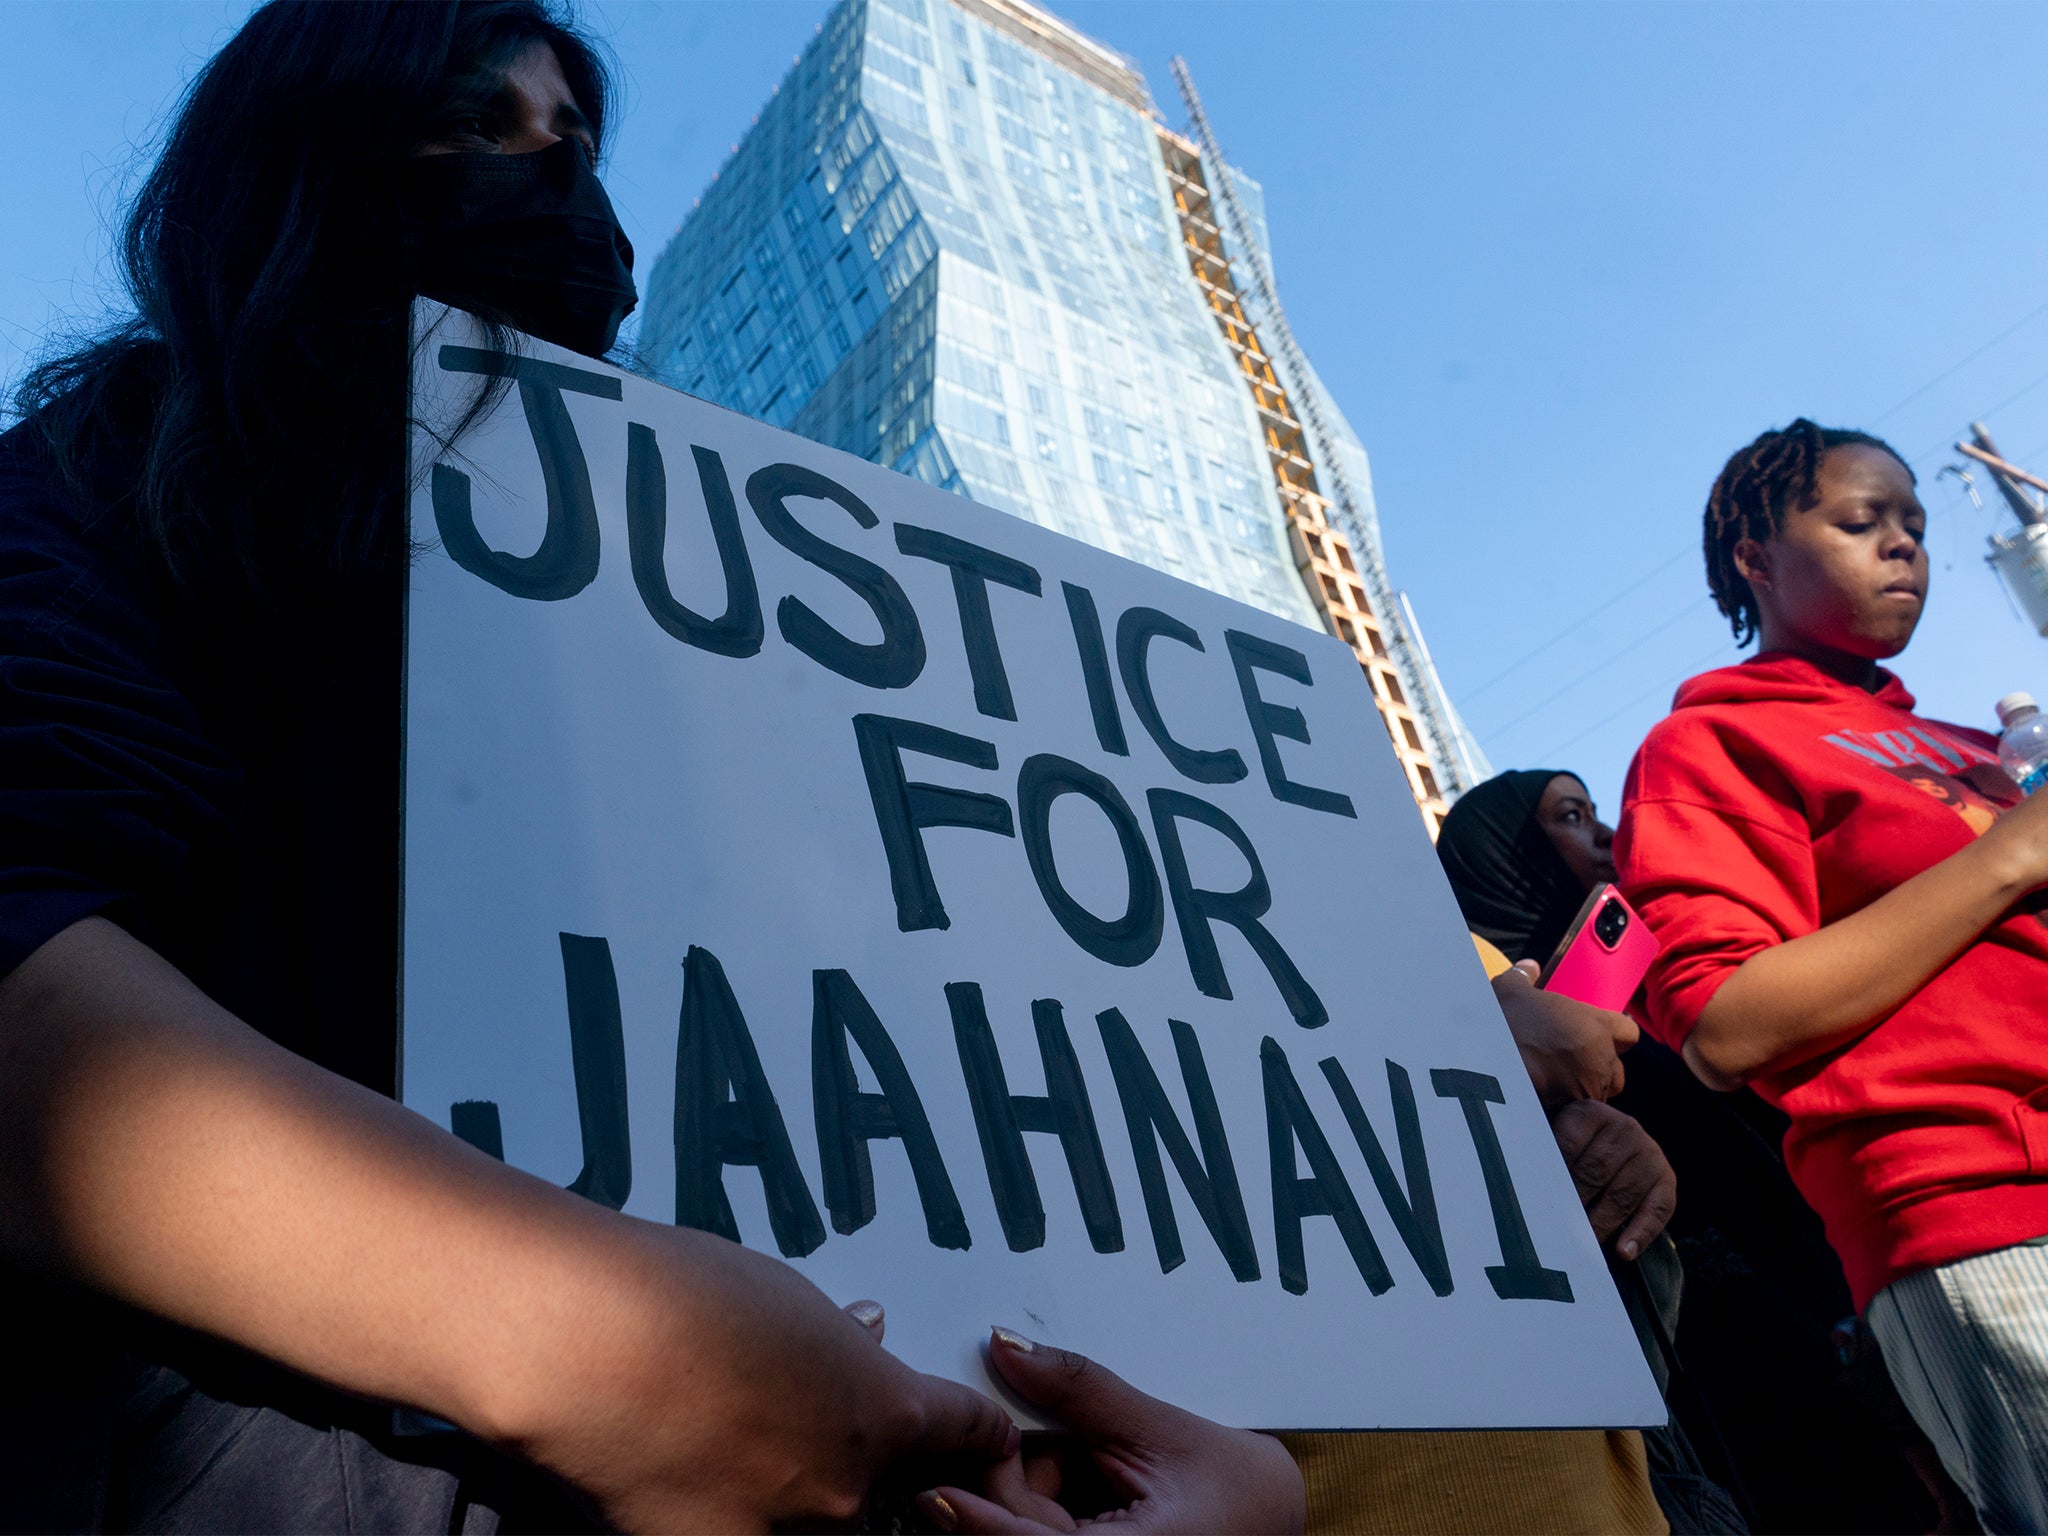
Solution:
(158, 1150)
(1815, 993)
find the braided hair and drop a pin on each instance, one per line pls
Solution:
(1756, 488)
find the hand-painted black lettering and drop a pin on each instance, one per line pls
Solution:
(1130, 939)
(849, 1119)
(737, 631)
(726, 1115)
(897, 658)
(1249, 654)
(973, 569)
(597, 1052)
(476, 1122)
(1520, 1276)
(531, 370)
(1109, 724)
(1211, 1179)
(1002, 1117)
(1073, 1121)
(1325, 1192)
(1135, 632)
(566, 561)
(903, 808)
(1196, 910)
(1414, 1211)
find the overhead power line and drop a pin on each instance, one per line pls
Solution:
(1955, 368)
(1576, 625)
(1613, 654)
(1551, 754)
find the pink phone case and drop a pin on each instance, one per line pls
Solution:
(1605, 954)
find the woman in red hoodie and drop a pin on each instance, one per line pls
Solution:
(1865, 951)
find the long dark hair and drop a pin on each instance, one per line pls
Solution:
(246, 423)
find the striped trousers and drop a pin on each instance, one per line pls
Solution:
(1967, 1346)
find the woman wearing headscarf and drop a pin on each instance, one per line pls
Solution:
(1522, 850)
(1809, 1444)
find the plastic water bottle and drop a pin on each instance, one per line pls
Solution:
(2023, 749)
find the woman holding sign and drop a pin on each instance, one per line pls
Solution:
(221, 1242)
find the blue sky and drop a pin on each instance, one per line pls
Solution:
(1554, 261)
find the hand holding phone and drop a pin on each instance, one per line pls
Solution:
(1570, 1050)
(1604, 955)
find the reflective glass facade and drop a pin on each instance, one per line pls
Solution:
(948, 246)
(959, 241)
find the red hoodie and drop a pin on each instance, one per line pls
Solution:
(1774, 800)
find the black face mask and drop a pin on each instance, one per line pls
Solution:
(529, 239)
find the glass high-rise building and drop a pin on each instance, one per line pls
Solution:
(960, 242)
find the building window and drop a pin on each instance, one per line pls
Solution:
(1393, 687)
(1408, 730)
(1428, 781)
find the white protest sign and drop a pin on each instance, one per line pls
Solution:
(983, 922)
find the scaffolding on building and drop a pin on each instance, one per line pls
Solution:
(1335, 546)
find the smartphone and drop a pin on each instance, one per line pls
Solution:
(1604, 955)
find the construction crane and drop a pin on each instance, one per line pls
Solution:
(1248, 262)
(2020, 559)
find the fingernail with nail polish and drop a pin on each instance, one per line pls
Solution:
(1016, 1341)
(938, 1511)
(866, 1313)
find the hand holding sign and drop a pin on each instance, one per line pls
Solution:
(1621, 1174)
(1572, 1050)
(1131, 1461)
(695, 1385)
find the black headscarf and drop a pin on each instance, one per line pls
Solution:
(1512, 884)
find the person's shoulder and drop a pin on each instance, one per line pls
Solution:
(1687, 738)
(28, 478)
(37, 506)
(1713, 755)
(64, 570)
(40, 526)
